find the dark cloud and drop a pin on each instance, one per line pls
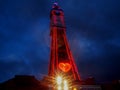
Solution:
(92, 31)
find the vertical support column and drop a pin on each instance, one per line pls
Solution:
(74, 68)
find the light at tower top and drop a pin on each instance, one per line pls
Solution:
(55, 5)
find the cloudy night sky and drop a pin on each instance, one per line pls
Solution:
(93, 32)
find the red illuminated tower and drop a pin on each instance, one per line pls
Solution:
(61, 59)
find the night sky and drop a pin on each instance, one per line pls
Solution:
(93, 32)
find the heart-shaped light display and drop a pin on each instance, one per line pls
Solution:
(65, 67)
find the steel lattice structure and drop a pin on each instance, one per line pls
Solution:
(61, 59)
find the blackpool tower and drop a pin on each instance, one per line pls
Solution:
(61, 59)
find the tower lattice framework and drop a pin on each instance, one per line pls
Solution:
(61, 59)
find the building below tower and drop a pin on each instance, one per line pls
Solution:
(26, 82)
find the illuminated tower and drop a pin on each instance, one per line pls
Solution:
(61, 59)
